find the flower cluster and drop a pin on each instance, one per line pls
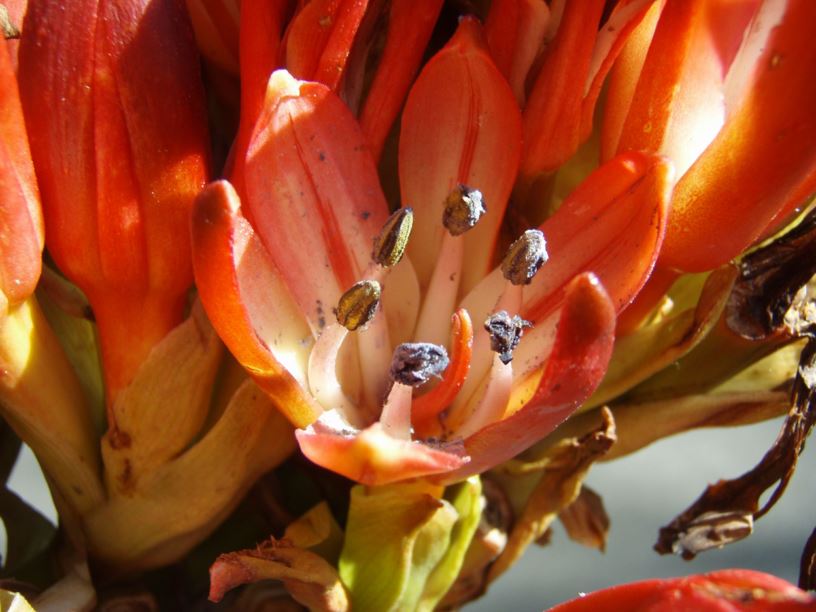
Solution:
(454, 259)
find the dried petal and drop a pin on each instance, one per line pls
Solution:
(709, 521)
(566, 466)
(585, 520)
(308, 577)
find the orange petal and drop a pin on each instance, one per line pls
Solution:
(612, 225)
(460, 125)
(425, 408)
(729, 590)
(410, 23)
(312, 192)
(121, 150)
(319, 39)
(559, 111)
(372, 457)
(762, 155)
(247, 302)
(584, 336)
(515, 31)
(678, 106)
(21, 224)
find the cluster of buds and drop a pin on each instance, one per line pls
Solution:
(438, 271)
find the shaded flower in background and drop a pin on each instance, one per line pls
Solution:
(415, 258)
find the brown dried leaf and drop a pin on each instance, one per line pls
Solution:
(770, 278)
(308, 577)
(726, 510)
(567, 465)
(585, 520)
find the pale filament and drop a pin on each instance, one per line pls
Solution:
(322, 373)
(396, 413)
(440, 300)
(374, 349)
(510, 300)
(493, 401)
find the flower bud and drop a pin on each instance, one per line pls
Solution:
(118, 134)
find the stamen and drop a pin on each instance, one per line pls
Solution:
(523, 260)
(415, 363)
(389, 245)
(505, 332)
(358, 305)
(355, 309)
(463, 209)
(525, 257)
(374, 344)
(426, 407)
(322, 374)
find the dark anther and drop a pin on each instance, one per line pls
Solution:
(358, 305)
(415, 363)
(524, 257)
(389, 245)
(463, 209)
(505, 332)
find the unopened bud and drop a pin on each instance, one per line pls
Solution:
(415, 363)
(463, 209)
(505, 332)
(358, 305)
(524, 257)
(389, 245)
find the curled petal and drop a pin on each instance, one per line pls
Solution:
(426, 407)
(584, 336)
(461, 89)
(373, 457)
(765, 151)
(308, 577)
(313, 194)
(248, 304)
(21, 224)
